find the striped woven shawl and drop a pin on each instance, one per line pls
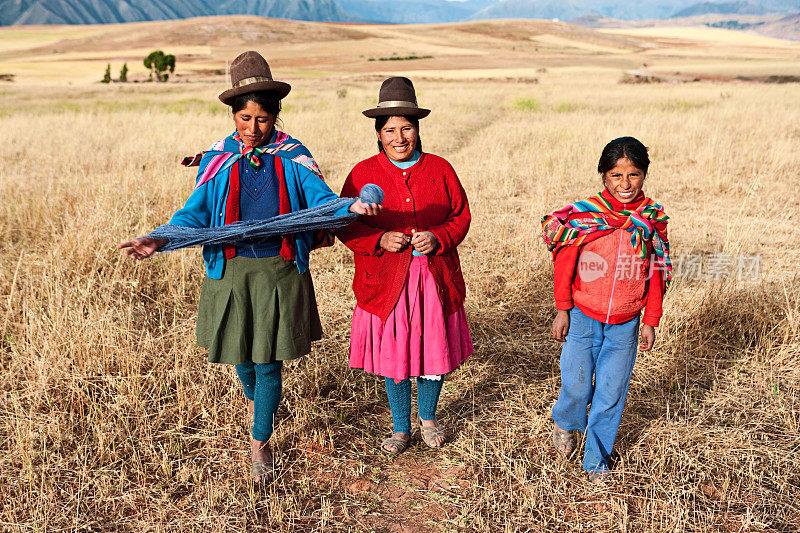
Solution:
(229, 150)
(646, 222)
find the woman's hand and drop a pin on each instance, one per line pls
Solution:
(561, 326)
(394, 241)
(648, 334)
(424, 242)
(142, 247)
(360, 208)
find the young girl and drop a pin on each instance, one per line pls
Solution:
(611, 258)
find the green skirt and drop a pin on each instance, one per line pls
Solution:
(262, 310)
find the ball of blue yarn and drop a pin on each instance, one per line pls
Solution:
(371, 194)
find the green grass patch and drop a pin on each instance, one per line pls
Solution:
(566, 107)
(681, 105)
(526, 104)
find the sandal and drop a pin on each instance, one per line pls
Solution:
(564, 441)
(262, 472)
(600, 478)
(431, 433)
(399, 444)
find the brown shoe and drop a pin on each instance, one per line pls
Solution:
(564, 441)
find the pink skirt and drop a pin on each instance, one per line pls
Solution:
(417, 339)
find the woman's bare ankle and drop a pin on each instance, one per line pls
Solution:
(260, 451)
(429, 423)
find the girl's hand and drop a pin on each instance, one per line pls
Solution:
(648, 334)
(424, 242)
(360, 208)
(394, 241)
(561, 326)
(142, 247)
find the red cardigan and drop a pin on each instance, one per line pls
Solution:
(424, 197)
(605, 279)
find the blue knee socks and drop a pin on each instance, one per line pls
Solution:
(399, 394)
(262, 384)
(428, 397)
(400, 403)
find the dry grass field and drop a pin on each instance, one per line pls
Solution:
(112, 419)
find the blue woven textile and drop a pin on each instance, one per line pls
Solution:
(319, 217)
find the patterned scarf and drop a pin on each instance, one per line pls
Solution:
(647, 222)
(251, 153)
(227, 151)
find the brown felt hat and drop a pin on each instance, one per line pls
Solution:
(250, 73)
(397, 98)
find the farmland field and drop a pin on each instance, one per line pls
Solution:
(113, 420)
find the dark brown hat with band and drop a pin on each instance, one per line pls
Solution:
(250, 73)
(397, 98)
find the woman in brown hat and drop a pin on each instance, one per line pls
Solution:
(409, 319)
(257, 306)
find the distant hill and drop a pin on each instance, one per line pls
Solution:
(572, 9)
(599, 21)
(413, 11)
(626, 10)
(114, 11)
(727, 8)
(533, 9)
(622, 9)
(771, 25)
(787, 27)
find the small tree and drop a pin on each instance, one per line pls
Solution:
(107, 75)
(159, 63)
(123, 73)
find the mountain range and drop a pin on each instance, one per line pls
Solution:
(14, 12)
(115, 11)
(640, 10)
(739, 8)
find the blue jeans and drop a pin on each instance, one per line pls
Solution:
(607, 352)
(262, 385)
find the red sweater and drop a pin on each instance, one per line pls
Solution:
(605, 278)
(425, 197)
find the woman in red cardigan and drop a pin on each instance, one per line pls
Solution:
(409, 319)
